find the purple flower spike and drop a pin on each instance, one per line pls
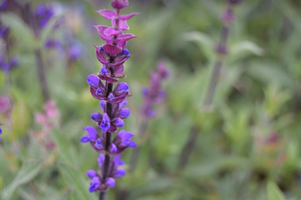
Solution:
(91, 174)
(110, 182)
(0, 132)
(105, 123)
(125, 112)
(112, 55)
(98, 144)
(120, 173)
(120, 4)
(95, 184)
(91, 136)
(108, 14)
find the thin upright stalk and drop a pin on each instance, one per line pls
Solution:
(194, 132)
(41, 74)
(106, 170)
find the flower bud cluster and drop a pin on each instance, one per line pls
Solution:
(154, 94)
(112, 55)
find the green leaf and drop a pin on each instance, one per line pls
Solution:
(274, 193)
(27, 172)
(20, 119)
(203, 40)
(67, 151)
(76, 181)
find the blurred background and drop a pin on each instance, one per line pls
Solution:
(244, 146)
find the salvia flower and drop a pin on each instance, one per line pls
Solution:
(154, 94)
(43, 14)
(112, 55)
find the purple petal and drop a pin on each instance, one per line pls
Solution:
(113, 148)
(125, 112)
(123, 103)
(104, 70)
(108, 14)
(100, 160)
(118, 161)
(120, 4)
(128, 16)
(105, 124)
(110, 182)
(85, 139)
(122, 87)
(95, 184)
(125, 37)
(99, 92)
(111, 96)
(102, 105)
(91, 174)
(92, 133)
(96, 117)
(112, 49)
(98, 144)
(131, 143)
(120, 173)
(119, 122)
(93, 80)
(111, 32)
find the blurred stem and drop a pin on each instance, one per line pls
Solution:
(136, 151)
(193, 135)
(41, 74)
(106, 169)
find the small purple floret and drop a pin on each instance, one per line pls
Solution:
(105, 123)
(110, 182)
(91, 174)
(95, 184)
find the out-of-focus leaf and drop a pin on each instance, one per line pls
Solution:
(67, 151)
(20, 119)
(157, 185)
(204, 42)
(270, 73)
(242, 49)
(27, 172)
(20, 29)
(274, 193)
(75, 179)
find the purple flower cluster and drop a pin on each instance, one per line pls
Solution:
(0, 132)
(112, 55)
(43, 14)
(154, 94)
(6, 65)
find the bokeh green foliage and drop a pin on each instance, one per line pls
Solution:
(257, 96)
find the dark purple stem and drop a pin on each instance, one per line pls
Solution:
(106, 169)
(193, 135)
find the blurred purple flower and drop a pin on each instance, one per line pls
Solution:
(43, 14)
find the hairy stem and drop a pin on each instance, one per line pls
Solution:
(193, 135)
(106, 169)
